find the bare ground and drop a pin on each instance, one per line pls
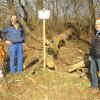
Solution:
(49, 84)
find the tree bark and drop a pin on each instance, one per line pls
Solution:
(11, 6)
(39, 6)
(92, 16)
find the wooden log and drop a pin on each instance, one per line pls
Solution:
(79, 65)
(50, 62)
(37, 66)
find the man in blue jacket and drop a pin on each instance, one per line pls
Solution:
(15, 39)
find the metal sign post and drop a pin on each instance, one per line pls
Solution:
(44, 14)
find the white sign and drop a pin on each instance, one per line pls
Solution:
(44, 14)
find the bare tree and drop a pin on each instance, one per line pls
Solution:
(92, 15)
(62, 12)
(24, 8)
(11, 6)
(39, 6)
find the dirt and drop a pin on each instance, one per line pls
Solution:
(49, 84)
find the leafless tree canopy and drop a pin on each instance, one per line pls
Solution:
(80, 14)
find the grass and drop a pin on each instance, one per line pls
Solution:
(46, 85)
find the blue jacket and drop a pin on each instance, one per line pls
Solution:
(13, 35)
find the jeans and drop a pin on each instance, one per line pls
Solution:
(15, 51)
(95, 67)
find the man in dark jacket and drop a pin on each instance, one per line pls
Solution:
(95, 57)
(15, 39)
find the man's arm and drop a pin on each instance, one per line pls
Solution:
(1, 38)
(4, 36)
(23, 34)
(3, 33)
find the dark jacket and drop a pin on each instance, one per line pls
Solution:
(95, 47)
(13, 35)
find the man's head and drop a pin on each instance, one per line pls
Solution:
(97, 24)
(14, 18)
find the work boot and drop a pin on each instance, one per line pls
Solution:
(94, 90)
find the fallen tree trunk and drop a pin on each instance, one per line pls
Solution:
(37, 66)
(49, 64)
(79, 65)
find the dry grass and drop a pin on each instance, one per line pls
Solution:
(49, 85)
(46, 85)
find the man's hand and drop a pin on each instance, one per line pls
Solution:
(24, 44)
(8, 42)
(90, 57)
